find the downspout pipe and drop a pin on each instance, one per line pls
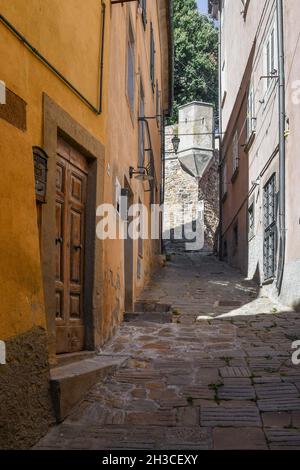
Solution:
(282, 149)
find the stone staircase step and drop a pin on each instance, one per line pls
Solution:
(64, 359)
(69, 383)
(151, 306)
(154, 317)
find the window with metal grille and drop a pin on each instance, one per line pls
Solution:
(130, 68)
(251, 221)
(269, 206)
(152, 57)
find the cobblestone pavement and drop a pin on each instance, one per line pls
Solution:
(218, 383)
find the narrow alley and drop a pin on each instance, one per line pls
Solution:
(150, 228)
(216, 374)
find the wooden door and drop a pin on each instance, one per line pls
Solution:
(71, 188)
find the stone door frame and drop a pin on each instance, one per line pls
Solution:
(58, 122)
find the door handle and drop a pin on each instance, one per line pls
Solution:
(58, 240)
(77, 247)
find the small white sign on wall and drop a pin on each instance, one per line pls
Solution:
(2, 353)
(2, 92)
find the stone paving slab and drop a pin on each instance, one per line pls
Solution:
(189, 437)
(279, 404)
(283, 439)
(220, 416)
(236, 392)
(280, 419)
(239, 439)
(235, 372)
(277, 390)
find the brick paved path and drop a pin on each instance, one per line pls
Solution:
(219, 383)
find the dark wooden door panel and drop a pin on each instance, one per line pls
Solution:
(59, 240)
(76, 247)
(71, 184)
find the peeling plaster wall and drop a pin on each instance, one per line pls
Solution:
(24, 380)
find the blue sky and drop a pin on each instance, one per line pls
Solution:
(202, 5)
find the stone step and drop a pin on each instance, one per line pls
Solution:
(69, 383)
(154, 317)
(151, 306)
(64, 359)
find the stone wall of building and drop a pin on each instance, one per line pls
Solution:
(209, 193)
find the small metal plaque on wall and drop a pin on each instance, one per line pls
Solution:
(40, 173)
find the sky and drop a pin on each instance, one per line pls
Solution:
(202, 5)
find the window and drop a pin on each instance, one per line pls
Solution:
(251, 221)
(130, 68)
(224, 179)
(152, 57)
(269, 207)
(141, 126)
(235, 237)
(251, 119)
(143, 6)
(271, 57)
(235, 152)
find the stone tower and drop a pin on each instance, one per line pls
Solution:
(191, 182)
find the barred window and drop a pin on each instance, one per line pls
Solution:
(251, 221)
(269, 207)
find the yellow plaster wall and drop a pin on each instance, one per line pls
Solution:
(21, 291)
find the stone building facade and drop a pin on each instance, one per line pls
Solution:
(259, 122)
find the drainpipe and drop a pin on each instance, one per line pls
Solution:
(282, 116)
(220, 136)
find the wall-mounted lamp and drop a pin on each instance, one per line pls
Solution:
(141, 174)
(176, 142)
